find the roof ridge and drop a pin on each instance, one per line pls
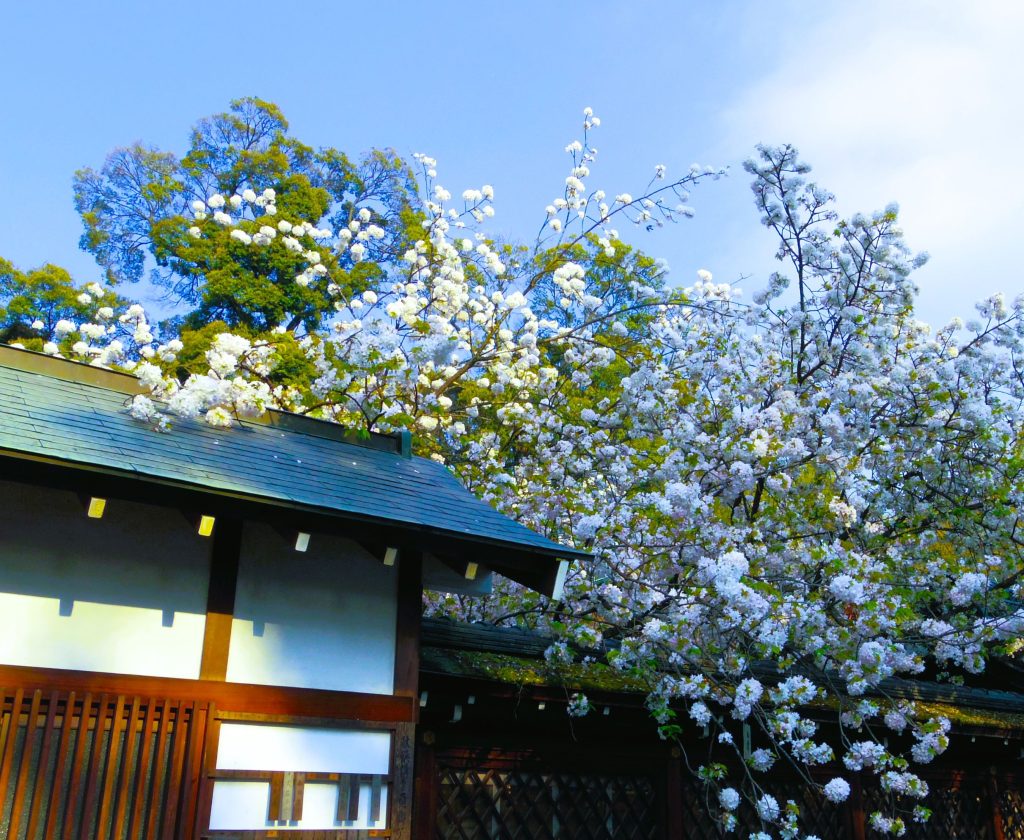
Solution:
(69, 370)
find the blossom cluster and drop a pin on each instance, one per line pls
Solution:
(790, 501)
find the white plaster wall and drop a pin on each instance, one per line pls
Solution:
(255, 746)
(302, 749)
(243, 806)
(323, 618)
(131, 586)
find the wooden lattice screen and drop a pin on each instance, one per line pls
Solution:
(483, 803)
(492, 796)
(962, 809)
(962, 806)
(819, 817)
(108, 767)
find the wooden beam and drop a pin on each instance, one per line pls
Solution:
(462, 566)
(230, 697)
(546, 577)
(220, 600)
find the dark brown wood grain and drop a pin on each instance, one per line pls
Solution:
(424, 815)
(220, 601)
(204, 805)
(137, 817)
(174, 807)
(71, 810)
(298, 795)
(110, 775)
(998, 828)
(38, 804)
(18, 806)
(10, 737)
(194, 766)
(128, 767)
(401, 792)
(159, 771)
(674, 817)
(86, 825)
(229, 697)
(407, 630)
(276, 792)
(63, 746)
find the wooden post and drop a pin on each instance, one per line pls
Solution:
(402, 774)
(220, 599)
(998, 830)
(407, 630)
(674, 820)
(407, 668)
(425, 810)
(858, 821)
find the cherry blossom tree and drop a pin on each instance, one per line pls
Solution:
(790, 499)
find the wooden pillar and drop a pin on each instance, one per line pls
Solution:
(407, 675)
(858, 821)
(407, 630)
(425, 807)
(673, 819)
(220, 599)
(998, 829)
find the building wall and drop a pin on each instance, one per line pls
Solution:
(122, 594)
(243, 805)
(127, 594)
(323, 618)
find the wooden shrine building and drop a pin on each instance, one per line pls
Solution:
(497, 756)
(215, 632)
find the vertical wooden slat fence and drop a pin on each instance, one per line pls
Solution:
(107, 767)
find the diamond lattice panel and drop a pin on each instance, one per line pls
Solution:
(959, 812)
(478, 804)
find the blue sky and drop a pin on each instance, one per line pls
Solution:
(909, 101)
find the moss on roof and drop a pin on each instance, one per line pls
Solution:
(525, 671)
(1004, 712)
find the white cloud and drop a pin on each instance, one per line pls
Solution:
(915, 102)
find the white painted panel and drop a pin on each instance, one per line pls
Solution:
(323, 618)
(303, 749)
(123, 594)
(243, 806)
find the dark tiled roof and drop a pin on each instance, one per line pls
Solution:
(76, 415)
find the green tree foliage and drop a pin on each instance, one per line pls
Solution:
(790, 501)
(33, 302)
(138, 209)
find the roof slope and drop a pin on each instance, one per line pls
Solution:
(55, 415)
(516, 656)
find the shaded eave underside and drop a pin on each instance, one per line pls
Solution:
(67, 424)
(191, 498)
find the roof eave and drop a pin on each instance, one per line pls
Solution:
(537, 567)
